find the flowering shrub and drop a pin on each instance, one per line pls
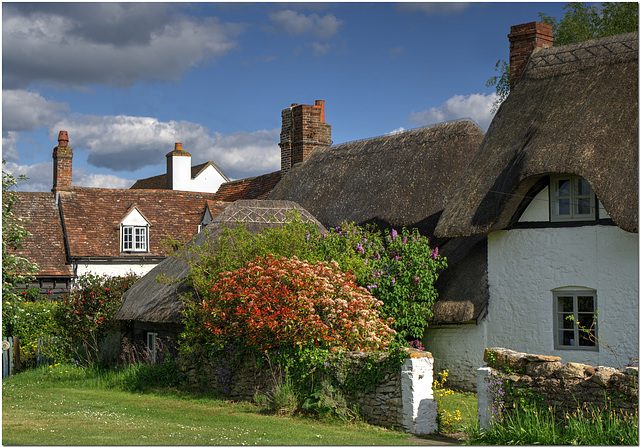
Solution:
(88, 313)
(403, 277)
(287, 302)
(36, 321)
(398, 269)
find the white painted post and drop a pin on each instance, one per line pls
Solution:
(419, 407)
(485, 403)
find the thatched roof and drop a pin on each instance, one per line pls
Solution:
(400, 180)
(574, 111)
(392, 181)
(150, 300)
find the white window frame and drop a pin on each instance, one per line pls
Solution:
(134, 238)
(151, 345)
(573, 198)
(565, 327)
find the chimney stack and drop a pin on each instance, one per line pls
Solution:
(62, 163)
(523, 39)
(178, 168)
(303, 129)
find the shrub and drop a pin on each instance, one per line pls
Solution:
(88, 313)
(36, 322)
(287, 302)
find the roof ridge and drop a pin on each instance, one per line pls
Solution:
(401, 132)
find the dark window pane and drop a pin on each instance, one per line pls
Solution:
(585, 304)
(582, 187)
(566, 322)
(565, 304)
(564, 189)
(583, 206)
(584, 339)
(566, 338)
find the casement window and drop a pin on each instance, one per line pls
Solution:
(151, 345)
(134, 238)
(575, 312)
(134, 232)
(572, 198)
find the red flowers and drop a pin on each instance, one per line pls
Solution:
(277, 302)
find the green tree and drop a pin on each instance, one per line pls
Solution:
(15, 269)
(580, 22)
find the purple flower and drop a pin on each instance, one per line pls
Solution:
(394, 234)
(307, 238)
(416, 279)
(393, 280)
(404, 240)
(435, 253)
(359, 248)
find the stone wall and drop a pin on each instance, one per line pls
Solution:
(565, 387)
(402, 399)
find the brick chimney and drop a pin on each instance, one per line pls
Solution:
(62, 163)
(178, 168)
(303, 129)
(523, 39)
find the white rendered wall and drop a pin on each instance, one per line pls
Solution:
(111, 269)
(209, 180)
(180, 172)
(525, 265)
(458, 348)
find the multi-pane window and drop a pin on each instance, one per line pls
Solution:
(572, 199)
(151, 345)
(134, 238)
(575, 320)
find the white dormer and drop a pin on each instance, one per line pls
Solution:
(180, 176)
(567, 198)
(134, 232)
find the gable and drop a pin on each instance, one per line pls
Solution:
(134, 217)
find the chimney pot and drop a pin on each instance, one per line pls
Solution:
(63, 138)
(178, 147)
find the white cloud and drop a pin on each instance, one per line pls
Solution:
(76, 46)
(9, 140)
(40, 177)
(475, 106)
(295, 23)
(396, 131)
(129, 143)
(320, 49)
(24, 111)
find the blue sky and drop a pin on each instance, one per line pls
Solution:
(128, 80)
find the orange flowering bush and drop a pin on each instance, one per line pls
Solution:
(274, 302)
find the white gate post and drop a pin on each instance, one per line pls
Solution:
(419, 407)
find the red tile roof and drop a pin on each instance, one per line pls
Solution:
(248, 188)
(46, 245)
(92, 218)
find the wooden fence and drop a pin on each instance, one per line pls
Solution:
(11, 354)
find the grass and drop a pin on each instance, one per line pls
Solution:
(63, 405)
(464, 402)
(533, 425)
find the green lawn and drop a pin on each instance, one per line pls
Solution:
(65, 406)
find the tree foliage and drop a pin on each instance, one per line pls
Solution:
(15, 269)
(580, 22)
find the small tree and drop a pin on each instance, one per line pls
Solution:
(580, 22)
(15, 269)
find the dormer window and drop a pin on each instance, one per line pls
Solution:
(572, 198)
(134, 238)
(134, 232)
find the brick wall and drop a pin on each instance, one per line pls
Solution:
(523, 39)
(303, 129)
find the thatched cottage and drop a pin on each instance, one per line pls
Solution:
(554, 187)
(152, 308)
